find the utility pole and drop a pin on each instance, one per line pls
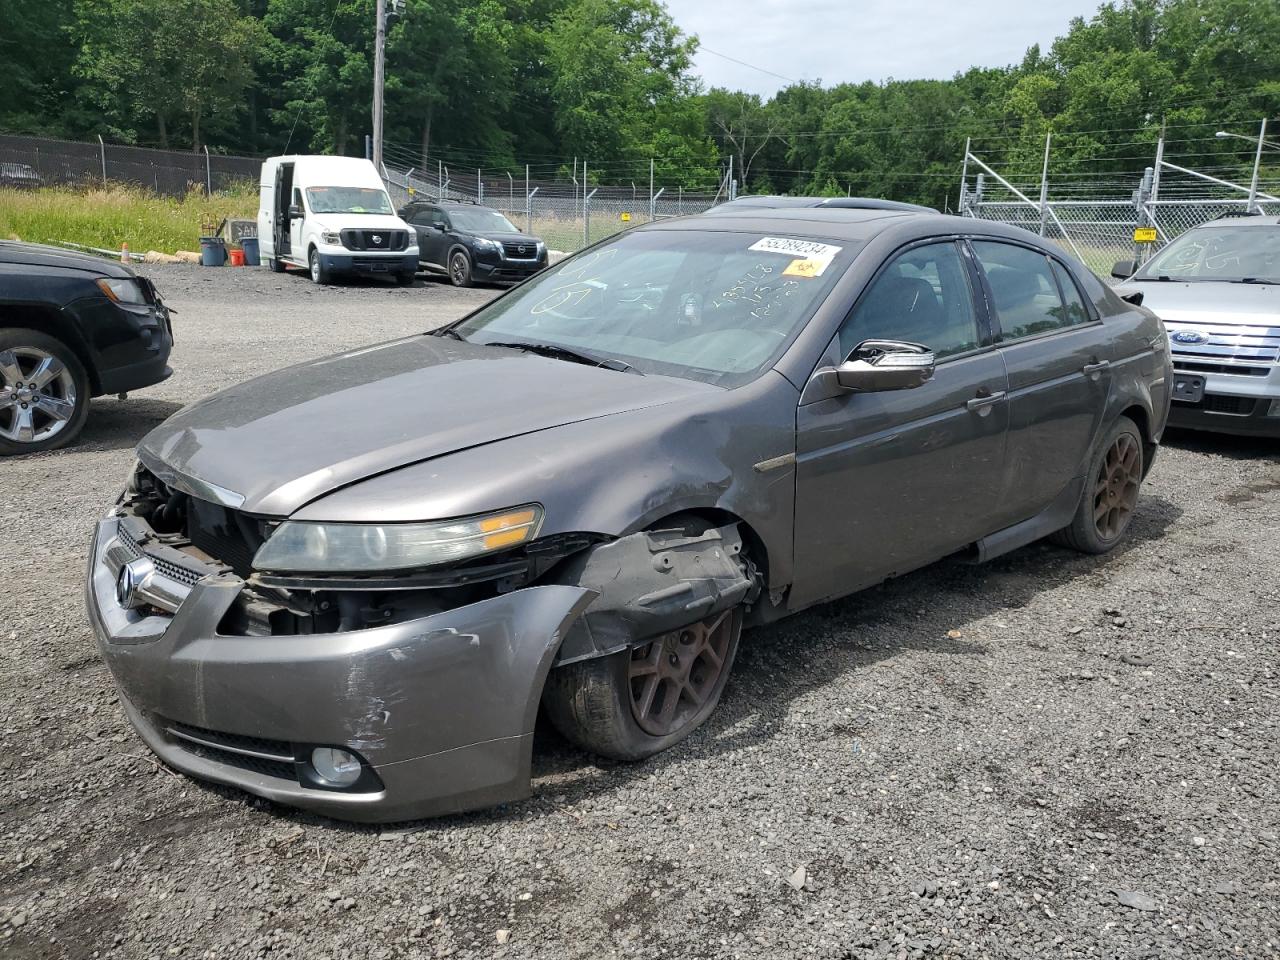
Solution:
(379, 79)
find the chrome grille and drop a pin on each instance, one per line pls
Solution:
(520, 250)
(1227, 344)
(171, 570)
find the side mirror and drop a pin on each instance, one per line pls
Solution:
(1124, 269)
(876, 365)
(295, 212)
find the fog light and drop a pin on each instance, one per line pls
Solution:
(1274, 410)
(336, 766)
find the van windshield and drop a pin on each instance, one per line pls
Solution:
(348, 200)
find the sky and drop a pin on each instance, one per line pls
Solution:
(839, 41)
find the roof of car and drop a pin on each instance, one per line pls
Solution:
(1240, 220)
(775, 201)
(835, 223)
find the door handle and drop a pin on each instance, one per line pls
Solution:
(1094, 370)
(982, 405)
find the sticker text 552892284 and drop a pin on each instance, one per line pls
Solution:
(810, 258)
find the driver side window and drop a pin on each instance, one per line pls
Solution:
(921, 296)
(439, 219)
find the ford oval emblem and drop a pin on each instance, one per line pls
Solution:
(1189, 336)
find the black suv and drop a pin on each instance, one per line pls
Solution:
(470, 242)
(71, 327)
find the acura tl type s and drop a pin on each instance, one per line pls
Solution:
(350, 585)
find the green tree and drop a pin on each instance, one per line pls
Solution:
(146, 62)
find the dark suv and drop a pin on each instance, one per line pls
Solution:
(469, 242)
(71, 327)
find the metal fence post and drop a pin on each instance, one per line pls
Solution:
(586, 213)
(479, 187)
(1257, 162)
(1141, 198)
(653, 204)
(964, 175)
(1044, 184)
(528, 204)
(208, 173)
(103, 147)
(511, 192)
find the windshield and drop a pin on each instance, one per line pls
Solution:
(711, 306)
(1231, 253)
(481, 220)
(348, 200)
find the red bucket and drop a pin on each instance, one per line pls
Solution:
(237, 257)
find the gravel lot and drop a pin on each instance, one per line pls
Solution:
(1049, 756)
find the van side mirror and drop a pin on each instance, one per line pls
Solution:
(876, 365)
(295, 212)
(1124, 269)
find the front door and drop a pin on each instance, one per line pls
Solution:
(887, 482)
(296, 228)
(1058, 356)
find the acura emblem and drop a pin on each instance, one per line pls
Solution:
(1189, 336)
(133, 577)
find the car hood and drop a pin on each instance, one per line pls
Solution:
(283, 439)
(1209, 301)
(39, 255)
(358, 221)
(504, 237)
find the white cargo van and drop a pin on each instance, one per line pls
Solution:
(332, 215)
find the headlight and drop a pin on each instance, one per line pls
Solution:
(122, 291)
(330, 236)
(299, 546)
(483, 244)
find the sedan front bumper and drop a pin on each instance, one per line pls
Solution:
(441, 708)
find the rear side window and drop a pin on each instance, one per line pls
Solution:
(1071, 299)
(1024, 291)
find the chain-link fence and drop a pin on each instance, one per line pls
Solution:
(565, 215)
(28, 162)
(1163, 202)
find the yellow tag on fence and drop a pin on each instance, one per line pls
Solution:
(626, 218)
(1144, 235)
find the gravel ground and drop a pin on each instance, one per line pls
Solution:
(1049, 756)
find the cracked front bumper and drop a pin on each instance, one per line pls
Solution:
(442, 708)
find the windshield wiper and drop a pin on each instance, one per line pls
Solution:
(565, 353)
(447, 332)
(1256, 280)
(1164, 277)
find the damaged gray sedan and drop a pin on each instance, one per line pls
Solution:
(351, 585)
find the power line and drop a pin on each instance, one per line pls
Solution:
(743, 63)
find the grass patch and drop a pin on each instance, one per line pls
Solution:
(109, 216)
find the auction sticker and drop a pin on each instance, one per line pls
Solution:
(811, 257)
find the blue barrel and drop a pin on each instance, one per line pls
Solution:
(213, 252)
(250, 247)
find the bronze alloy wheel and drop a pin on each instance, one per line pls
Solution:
(1116, 492)
(673, 675)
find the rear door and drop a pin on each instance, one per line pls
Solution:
(419, 218)
(1058, 355)
(887, 482)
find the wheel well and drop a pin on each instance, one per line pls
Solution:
(716, 517)
(54, 323)
(1143, 422)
